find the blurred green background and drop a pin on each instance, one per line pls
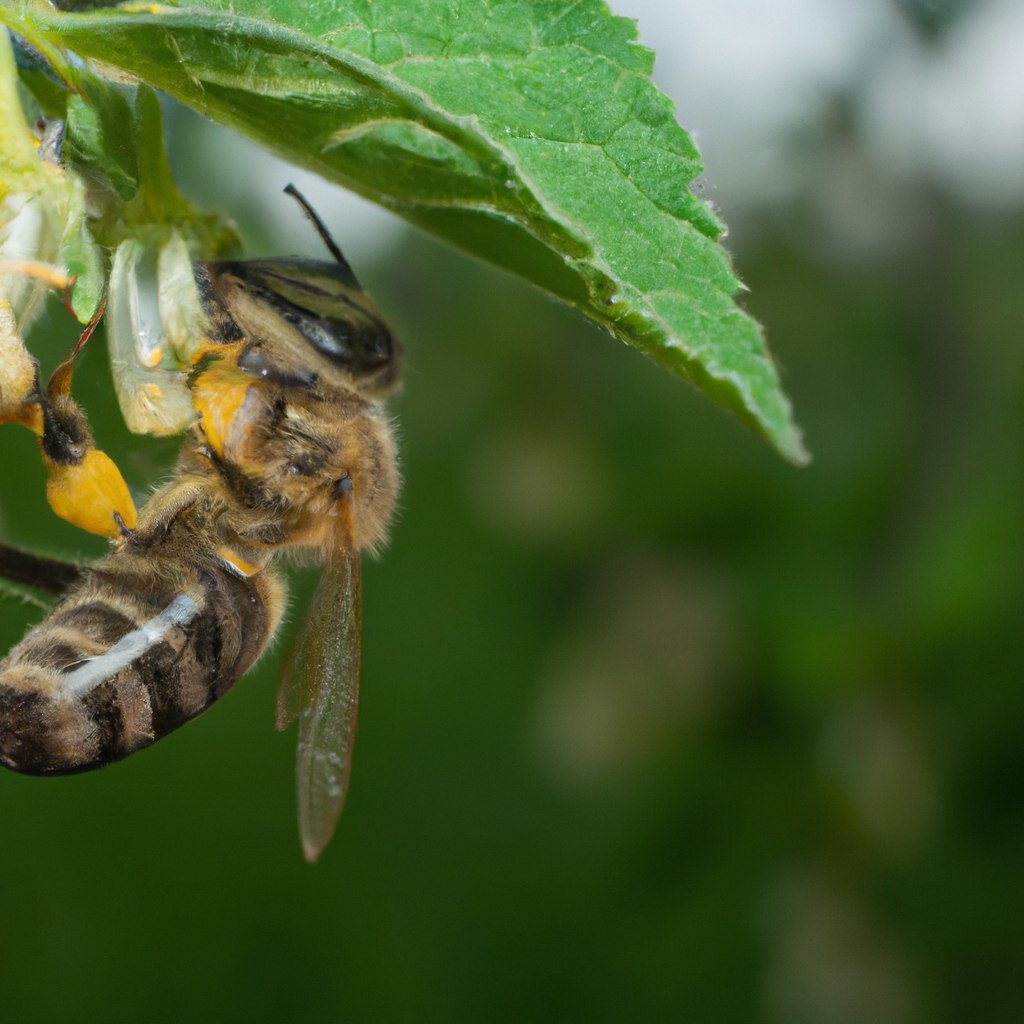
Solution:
(654, 726)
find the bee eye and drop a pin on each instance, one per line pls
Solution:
(297, 469)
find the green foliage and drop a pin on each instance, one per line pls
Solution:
(100, 139)
(527, 133)
(109, 181)
(640, 730)
(649, 731)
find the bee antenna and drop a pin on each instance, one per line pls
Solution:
(321, 229)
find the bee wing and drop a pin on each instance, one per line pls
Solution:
(321, 688)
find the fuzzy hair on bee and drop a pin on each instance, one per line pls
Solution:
(291, 453)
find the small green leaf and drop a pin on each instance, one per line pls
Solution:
(526, 132)
(101, 139)
(79, 253)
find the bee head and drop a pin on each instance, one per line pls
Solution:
(302, 314)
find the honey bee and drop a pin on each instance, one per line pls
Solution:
(291, 452)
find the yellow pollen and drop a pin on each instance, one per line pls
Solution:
(152, 359)
(89, 494)
(27, 414)
(218, 396)
(236, 562)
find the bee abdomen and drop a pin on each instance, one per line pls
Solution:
(96, 622)
(111, 671)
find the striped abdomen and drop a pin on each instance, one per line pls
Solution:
(129, 655)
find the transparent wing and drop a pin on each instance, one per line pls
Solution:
(321, 688)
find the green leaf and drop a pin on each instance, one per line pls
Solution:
(79, 253)
(101, 138)
(526, 132)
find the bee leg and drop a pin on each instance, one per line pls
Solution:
(162, 511)
(50, 575)
(84, 486)
(126, 531)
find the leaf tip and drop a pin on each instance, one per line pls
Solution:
(796, 451)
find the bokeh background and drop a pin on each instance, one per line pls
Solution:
(654, 726)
